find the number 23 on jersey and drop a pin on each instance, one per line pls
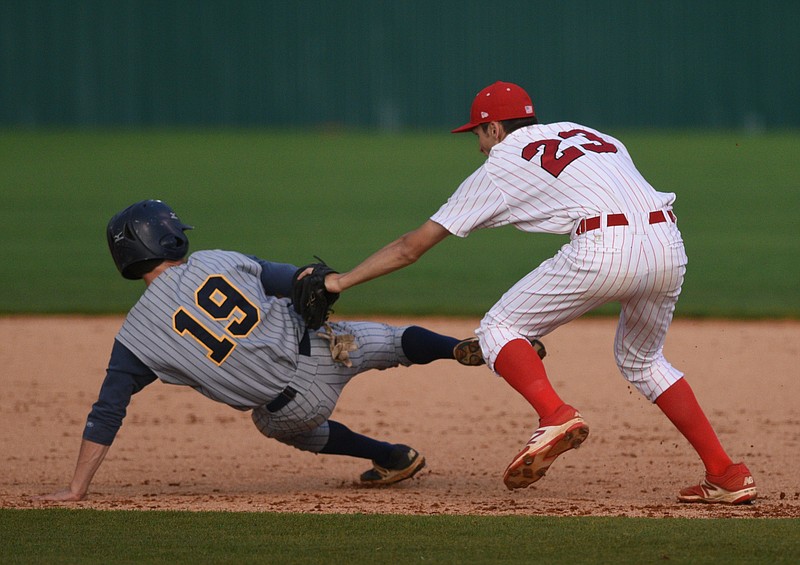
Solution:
(554, 161)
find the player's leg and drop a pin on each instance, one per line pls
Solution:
(421, 346)
(641, 333)
(545, 299)
(303, 422)
(520, 366)
(391, 463)
(638, 349)
(551, 295)
(376, 346)
(381, 346)
(725, 481)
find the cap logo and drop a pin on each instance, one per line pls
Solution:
(529, 109)
(484, 114)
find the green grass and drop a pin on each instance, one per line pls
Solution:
(737, 203)
(287, 196)
(88, 536)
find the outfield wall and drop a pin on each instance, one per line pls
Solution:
(397, 64)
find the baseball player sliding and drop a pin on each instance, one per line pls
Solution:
(219, 322)
(624, 247)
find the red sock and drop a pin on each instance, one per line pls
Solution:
(681, 407)
(520, 365)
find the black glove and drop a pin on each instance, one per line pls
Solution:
(310, 297)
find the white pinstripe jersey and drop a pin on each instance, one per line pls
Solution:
(546, 178)
(209, 324)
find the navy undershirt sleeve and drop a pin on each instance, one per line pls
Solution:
(277, 277)
(126, 375)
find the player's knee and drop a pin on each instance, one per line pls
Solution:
(313, 440)
(281, 427)
(629, 363)
(261, 420)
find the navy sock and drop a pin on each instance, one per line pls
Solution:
(343, 441)
(423, 346)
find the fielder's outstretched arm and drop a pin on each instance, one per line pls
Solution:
(90, 457)
(398, 254)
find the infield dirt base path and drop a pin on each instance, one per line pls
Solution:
(177, 450)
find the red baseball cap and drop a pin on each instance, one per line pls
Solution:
(497, 102)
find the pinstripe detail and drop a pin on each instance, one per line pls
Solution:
(303, 422)
(264, 361)
(642, 272)
(534, 200)
(641, 266)
(255, 372)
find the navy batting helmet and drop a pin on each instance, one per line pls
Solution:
(145, 234)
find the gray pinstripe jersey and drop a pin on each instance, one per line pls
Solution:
(208, 324)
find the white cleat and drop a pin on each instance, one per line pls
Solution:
(544, 447)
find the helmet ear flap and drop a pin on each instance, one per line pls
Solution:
(137, 270)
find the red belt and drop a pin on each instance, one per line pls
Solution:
(590, 224)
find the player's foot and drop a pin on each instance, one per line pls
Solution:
(468, 351)
(562, 431)
(404, 463)
(734, 486)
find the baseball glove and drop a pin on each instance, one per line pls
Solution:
(310, 298)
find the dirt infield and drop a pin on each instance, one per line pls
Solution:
(179, 450)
